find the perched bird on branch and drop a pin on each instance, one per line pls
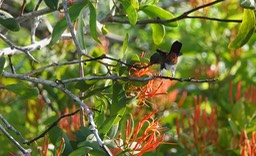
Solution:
(166, 60)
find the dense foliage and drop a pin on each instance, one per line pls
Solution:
(99, 73)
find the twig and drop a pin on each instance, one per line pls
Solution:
(11, 64)
(9, 126)
(79, 52)
(33, 47)
(50, 127)
(67, 92)
(182, 16)
(24, 151)
(13, 46)
(138, 79)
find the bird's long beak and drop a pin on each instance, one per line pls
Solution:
(180, 53)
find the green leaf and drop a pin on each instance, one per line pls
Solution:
(2, 62)
(61, 25)
(249, 4)
(55, 135)
(158, 33)
(245, 31)
(93, 22)
(81, 151)
(125, 43)
(117, 110)
(52, 4)
(113, 131)
(80, 30)
(157, 12)
(8, 21)
(233, 126)
(131, 11)
(135, 4)
(22, 89)
(94, 92)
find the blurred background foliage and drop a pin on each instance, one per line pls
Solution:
(198, 118)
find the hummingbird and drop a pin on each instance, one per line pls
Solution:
(166, 60)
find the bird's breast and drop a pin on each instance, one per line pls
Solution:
(172, 59)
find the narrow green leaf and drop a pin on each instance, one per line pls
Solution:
(61, 25)
(125, 43)
(52, 4)
(113, 131)
(158, 33)
(22, 89)
(157, 12)
(10, 23)
(2, 62)
(80, 30)
(93, 22)
(245, 31)
(233, 126)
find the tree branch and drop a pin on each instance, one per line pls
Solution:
(138, 79)
(67, 92)
(113, 19)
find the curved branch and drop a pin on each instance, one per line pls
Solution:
(184, 15)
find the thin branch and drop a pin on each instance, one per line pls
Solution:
(23, 150)
(9, 126)
(41, 12)
(13, 46)
(67, 92)
(138, 79)
(11, 64)
(55, 123)
(182, 16)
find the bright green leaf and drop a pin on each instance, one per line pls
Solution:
(157, 12)
(2, 62)
(245, 31)
(61, 25)
(93, 22)
(113, 131)
(125, 43)
(131, 11)
(52, 4)
(135, 4)
(158, 33)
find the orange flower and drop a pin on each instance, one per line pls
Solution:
(137, 140)
(151, 89)
(202, 127)
(247, 147)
